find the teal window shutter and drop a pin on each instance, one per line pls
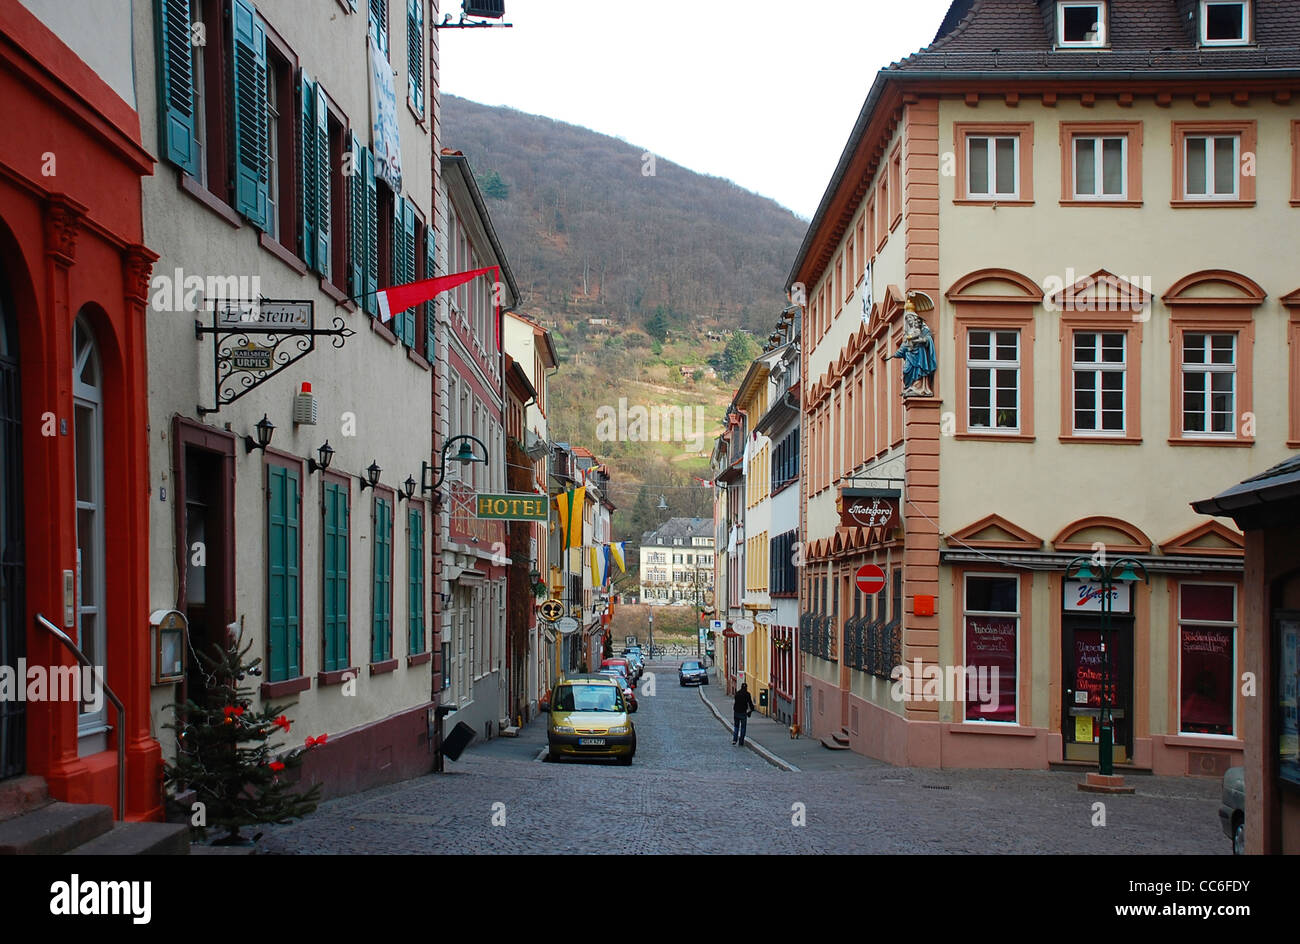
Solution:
(176, 117)
(379, 24)
(371, 235)
(381, 645)
(307, 176)
(415, 568)
(398, 267)
(430, 268)
(336, 578)
(283, 573)
(324, 198)
(357, 223)
(408, 270)
(252, 160)
(415, 53)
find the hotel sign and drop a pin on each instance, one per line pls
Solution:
(511, 507)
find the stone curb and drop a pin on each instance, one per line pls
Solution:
(750, 743)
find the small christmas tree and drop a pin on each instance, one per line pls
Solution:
(224, 751)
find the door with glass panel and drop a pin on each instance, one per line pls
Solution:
(88, 423)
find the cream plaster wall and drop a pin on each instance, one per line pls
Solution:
(99, 32)
(369, 381)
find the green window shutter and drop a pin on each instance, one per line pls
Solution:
(283, 572)
(408, 246)
(336, 578)
(357, 223)
(415, 53)
(381, 645)
(371, 235)
(176, 118)
(324, 201)
(252, 162)
(308, 180)
(398, 268)
(415, 568)
(430, 268)
(379, 24)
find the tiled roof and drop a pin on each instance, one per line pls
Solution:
(1144, 35)
(678, 528)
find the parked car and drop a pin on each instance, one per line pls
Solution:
(629, 690)
(692, 672)
(1232, 808)
(589, 718)
(632, 673)
(634, 654)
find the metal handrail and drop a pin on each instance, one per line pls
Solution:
(64, 638)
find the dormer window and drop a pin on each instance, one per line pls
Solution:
(1080, 25)
(1224, 23)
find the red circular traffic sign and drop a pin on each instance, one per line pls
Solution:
(870, 578)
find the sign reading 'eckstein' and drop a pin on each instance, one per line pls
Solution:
(522, 507)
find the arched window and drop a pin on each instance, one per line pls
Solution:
(88, 422)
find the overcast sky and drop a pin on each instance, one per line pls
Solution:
(762, 92)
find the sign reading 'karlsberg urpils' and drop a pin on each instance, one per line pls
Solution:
(520, 507)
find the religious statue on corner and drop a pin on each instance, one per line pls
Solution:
(917, 347)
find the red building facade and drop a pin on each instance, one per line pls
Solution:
(74, 281)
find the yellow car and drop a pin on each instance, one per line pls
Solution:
(588, 718)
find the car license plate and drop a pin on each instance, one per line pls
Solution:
(591, 742)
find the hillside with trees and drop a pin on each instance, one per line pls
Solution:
(657, 284)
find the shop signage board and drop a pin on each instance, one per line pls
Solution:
(1081, 597)
(767, 617)
(552, 610)
(869, 508)
(567, 625)
(742, 627)
(523, 506)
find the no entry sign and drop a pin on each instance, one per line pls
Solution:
(870, 578)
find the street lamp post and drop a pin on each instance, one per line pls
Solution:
(1109, 577)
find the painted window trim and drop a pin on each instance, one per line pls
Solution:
(1176, 642)
(895, 170)
(1132, 133)
(1247, 25)
(1248, 132)
(1021, 615)
(978, 317)
(1229, 319)
(1103, 39)
(1109, 322)
(1024, 131)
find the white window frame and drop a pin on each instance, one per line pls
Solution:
(1246, 11)
(989, 141)
(91, 725)
(1209, 369)
(1098, 42)
(1216, 624)
(1209, 139)
(993, 366)
(1017, 614)
(1097, 368)
(272, 153)
(1098, 166)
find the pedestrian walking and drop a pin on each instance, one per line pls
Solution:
(743, 708)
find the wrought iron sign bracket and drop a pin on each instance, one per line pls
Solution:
(288, 330)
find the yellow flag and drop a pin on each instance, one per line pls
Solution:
(569, 505)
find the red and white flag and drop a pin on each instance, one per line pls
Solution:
(393, 301)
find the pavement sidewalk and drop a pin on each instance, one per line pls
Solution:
(771, 740)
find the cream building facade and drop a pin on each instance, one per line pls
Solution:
(319, 556)
(1113, 327)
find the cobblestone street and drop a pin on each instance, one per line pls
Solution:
(689, 791)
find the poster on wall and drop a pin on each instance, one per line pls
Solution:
(1288, 691)
(1207, 680)
(384, 138)
(990, 669)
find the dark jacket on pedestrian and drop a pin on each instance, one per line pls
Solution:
(744, 704)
